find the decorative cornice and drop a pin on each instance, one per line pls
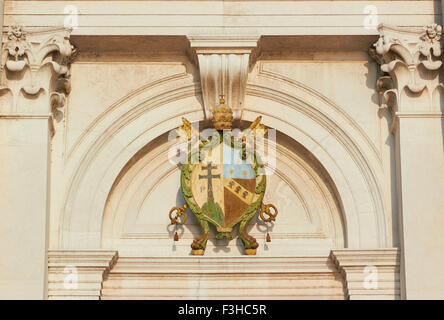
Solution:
(408, 59)
(78, 274)
(369, 274)
(224, 265)
(210, 277)
(216, 43)
(35, 71)
(223, 65)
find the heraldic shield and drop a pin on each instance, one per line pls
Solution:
(223, 183)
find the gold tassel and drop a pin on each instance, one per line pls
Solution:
(268, 237)
(176, 237)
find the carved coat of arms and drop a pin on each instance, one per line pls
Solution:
(223, 181)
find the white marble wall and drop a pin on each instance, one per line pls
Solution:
(90, 177)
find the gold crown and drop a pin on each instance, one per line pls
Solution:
(222, 116)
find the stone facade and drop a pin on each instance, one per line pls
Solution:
(90, 93)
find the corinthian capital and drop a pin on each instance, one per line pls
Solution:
(35, 71)
(409, 57)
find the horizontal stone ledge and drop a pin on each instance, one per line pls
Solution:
(419, 115)
(25, 116)
(217, 7)
(125, 30)
(93, 259)
(223, 265)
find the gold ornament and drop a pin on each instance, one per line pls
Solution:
(179, 212)
(265, 209)
(222, 116)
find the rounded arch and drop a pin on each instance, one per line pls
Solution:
(310, 212)
(305, 116)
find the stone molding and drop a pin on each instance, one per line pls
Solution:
(423, 115)
(369, 273)
(82, 215)
(408, 59)
(93, 268)
(229, 265)
(223, 65)
(78, 274)
(35, 71)
(303, 277)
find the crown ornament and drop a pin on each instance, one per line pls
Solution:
(222, 116)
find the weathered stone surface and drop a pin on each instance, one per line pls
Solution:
(85, 116)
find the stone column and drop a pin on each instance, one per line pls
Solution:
(34, 82)
(412, 91)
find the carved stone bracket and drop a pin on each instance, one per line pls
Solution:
(223, 65)
(408, 59)
(35, 71)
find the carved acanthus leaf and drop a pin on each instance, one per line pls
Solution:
(43, 60)
(410, 60)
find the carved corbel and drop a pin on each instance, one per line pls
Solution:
(223, 65)
(408, 59)
(35, 71)
(387, 93)
(384, 85)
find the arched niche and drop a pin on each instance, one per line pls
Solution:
(309, 119)
(136, 222)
